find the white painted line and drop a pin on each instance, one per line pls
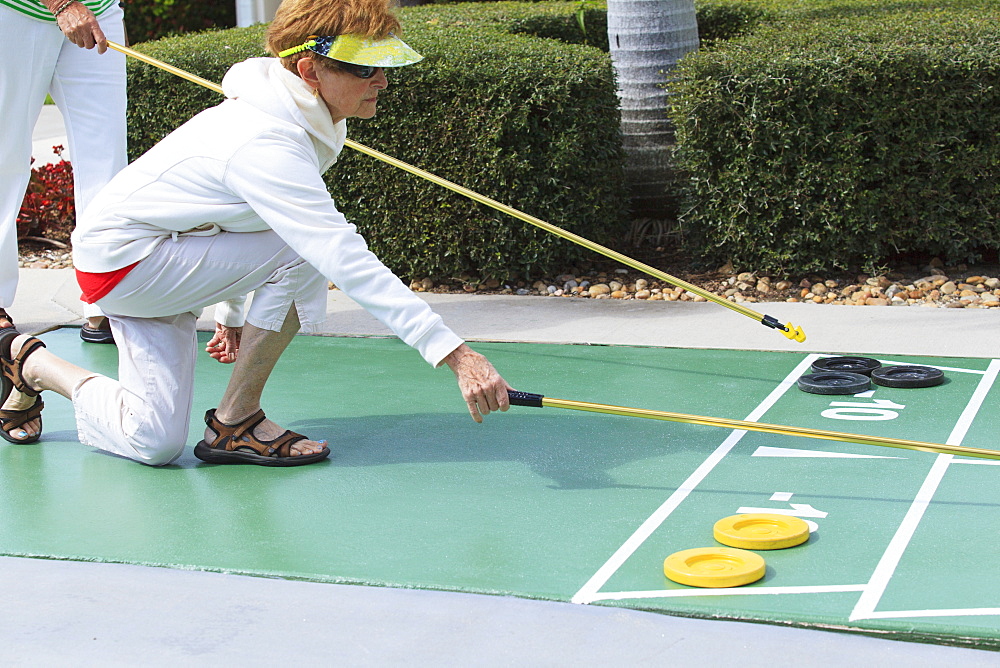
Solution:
(802, 510)
(975, 403)
(894, 552)
(782, 496)
(768, 451)
(611, 566)
(727, 591)
(867, 602)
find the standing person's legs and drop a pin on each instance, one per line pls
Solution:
(28, 54)
(89, 89)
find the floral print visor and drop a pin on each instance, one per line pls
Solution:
(359, 50)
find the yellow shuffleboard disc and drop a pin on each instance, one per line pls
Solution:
(714, 567)
(761, 531)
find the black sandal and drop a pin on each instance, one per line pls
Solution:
(236, 444)
(11, 379)
(101, 334)
(4, 316)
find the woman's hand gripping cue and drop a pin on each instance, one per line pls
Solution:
(483, 389)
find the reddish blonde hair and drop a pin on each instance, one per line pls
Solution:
(296, 20)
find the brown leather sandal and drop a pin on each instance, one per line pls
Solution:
(11, 378)
(236, 444)
(11, 419)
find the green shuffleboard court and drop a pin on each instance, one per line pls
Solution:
(555, 504)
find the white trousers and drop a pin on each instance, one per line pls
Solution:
(88, 88)
(145, 415)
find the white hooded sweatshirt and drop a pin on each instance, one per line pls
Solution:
(254, 163)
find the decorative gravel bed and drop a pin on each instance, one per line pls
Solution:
(933, 285)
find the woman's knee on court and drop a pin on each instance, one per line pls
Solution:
(157, 445)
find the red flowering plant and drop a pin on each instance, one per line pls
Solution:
(48, 212)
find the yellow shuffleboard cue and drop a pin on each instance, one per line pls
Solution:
(789, 330)
(539, 401)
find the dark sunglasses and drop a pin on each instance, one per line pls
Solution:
(360, 71)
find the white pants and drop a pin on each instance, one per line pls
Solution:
(88, 88)
(145, 415)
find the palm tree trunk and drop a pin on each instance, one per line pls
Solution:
(647, 38)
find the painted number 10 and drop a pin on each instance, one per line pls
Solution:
(877, 409)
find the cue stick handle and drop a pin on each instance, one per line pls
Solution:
(524, 399)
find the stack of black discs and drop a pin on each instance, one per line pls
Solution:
(839, 375)
(851, 375)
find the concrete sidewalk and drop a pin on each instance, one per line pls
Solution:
(49, 131)
(49, 298)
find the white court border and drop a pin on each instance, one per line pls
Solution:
(872, 591)
(872, 594)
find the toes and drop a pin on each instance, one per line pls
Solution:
(25, 431)
(308, 448)
(32, 428)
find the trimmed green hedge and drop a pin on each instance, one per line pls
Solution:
(717, 19)
(530, 122)
(843, 134)
(152, 19)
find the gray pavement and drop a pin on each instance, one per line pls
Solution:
(49, 298)
(49, 131)
(69, 613)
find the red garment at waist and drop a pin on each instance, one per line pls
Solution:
(95, 286)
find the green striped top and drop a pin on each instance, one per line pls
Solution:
(37, 10)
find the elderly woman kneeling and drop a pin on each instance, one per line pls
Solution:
(233, 202)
